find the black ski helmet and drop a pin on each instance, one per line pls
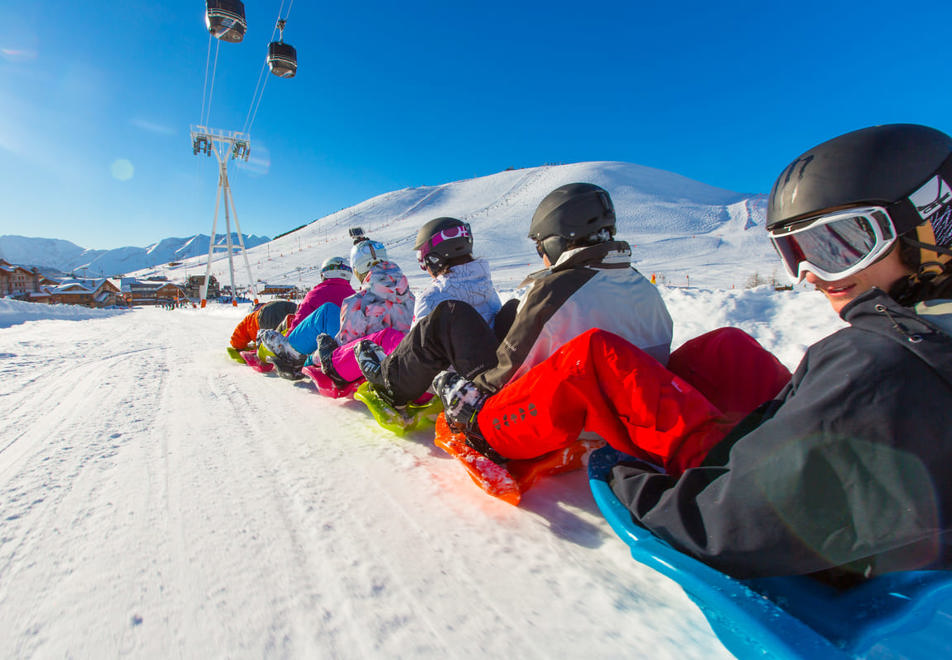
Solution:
(442, 240)
(572, 214)
(904, 168)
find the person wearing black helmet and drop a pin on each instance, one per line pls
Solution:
(444, 249)
(588, 282)
(847, 472)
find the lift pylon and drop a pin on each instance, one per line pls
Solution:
(226, 145)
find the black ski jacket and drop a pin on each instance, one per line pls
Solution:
(848, 472)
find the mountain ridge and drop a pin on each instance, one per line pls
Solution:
(54, 254)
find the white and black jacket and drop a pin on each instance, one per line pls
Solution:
(588, 287)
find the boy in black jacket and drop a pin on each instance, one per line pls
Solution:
(847, 473)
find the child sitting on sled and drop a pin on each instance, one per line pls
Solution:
(265, 316)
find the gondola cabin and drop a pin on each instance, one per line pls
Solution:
(282, 59)
(225, 19)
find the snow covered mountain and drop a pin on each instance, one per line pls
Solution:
(52, 253)
(684, 231)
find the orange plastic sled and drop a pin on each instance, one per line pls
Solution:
(508, 482)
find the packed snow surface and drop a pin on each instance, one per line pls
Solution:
(160, 500)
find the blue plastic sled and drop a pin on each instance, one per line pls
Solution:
(899, 615)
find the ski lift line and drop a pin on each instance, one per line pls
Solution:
(261, 96)
(211, 90)
(283, 64)
(281, 13)
(208, 58)
(259, 88)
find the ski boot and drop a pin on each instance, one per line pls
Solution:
(326, 345)
(279, 345)
(462, 401)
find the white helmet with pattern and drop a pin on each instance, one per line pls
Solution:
(336, 267)
(364, 255)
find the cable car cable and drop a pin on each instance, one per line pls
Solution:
(259, 89)
(207, 107)
(211, 89)
(252, 107)
(208, 57)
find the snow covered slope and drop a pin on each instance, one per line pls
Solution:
(682, 230)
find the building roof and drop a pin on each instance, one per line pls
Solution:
(80, 287)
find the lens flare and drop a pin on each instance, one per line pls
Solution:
(121, 169)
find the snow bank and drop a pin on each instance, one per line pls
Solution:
(13, 312)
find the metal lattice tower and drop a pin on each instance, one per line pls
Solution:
(226, 145)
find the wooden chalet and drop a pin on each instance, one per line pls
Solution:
(288, 291)
(151, 292)
(24, 283)
(90, 293)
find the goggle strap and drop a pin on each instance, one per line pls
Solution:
(904, 212)
(929, 252)
(461, 231)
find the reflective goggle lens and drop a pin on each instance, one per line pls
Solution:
(835, 245)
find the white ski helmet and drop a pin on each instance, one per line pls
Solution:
(364, 255)
(336, 267)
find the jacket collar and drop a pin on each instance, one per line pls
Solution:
(608, 254)
(611, 254)
(874, 311)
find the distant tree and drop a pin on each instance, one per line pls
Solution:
(755, 280)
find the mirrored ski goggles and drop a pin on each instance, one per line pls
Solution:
(462, 231)
(835, 245)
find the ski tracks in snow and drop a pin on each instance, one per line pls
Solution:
(161, 500)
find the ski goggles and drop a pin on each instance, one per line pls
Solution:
(461, 231)
(343, 268)
(834, 245)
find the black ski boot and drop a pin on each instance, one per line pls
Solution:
(326, 345)
(288, 369)
(370, 357)
(462, 401)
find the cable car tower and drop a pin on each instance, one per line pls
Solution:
(226, 145)
(225, 21)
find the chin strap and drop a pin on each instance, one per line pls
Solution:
(932, 277)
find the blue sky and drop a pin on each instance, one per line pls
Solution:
(96, 99)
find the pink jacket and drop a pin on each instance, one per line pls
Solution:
(332, 290)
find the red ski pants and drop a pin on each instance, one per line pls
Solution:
(599, 382)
